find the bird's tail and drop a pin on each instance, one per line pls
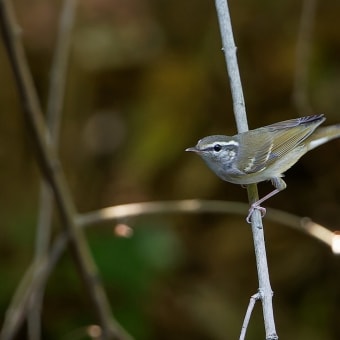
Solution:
(323, 135)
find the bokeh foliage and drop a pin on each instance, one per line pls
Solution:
(146, 80)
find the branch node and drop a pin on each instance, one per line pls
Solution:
(260, 293)
(257, 296)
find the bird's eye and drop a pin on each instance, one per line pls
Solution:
(217, 147)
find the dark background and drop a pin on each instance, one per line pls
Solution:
(146, 80)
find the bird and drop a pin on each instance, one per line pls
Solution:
(265, 153)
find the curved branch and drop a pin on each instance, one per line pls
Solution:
(33, 283)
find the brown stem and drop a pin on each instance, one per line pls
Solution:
(58, 76)
(53, 174)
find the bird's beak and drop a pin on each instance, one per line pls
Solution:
(192, 149)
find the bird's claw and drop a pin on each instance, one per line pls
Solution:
(254, 207)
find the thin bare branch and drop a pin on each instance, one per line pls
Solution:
(194, 206)
(53, 174)
(242, 125)
(250, 308)
(54, 111)
(230, 49)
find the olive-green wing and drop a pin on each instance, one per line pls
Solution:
(261, 147)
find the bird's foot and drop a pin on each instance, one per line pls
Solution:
(254, 207)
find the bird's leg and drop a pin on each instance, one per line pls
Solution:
(279, 184)
(257, 205)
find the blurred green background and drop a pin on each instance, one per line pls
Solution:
(146, 80)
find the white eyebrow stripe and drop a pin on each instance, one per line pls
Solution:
(231, 142)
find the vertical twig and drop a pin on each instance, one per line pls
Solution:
(250, 308)
(53, 174)
(53, 115)
(303, 46)
(229, 49)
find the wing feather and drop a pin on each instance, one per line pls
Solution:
(274, 141)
